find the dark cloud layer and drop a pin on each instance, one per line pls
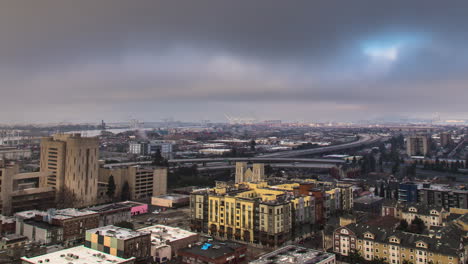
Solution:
(310, 60)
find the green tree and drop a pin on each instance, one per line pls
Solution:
(110, 187)
(125, 195)
(417, 225)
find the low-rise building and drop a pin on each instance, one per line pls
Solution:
(214, 252)
(68, 225)
(166, 241)
(77, 255)
(110, 214)
(394, 246)
(369, 204)
(430, 215)
(296, 255)
(172, 200)
(120, 242)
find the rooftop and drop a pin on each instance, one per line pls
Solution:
(294, 254)
(368, 199)
(160, 234)
(213, 250)
(76, 255)
(117, 232)
(173, 196)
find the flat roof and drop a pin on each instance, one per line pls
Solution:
(161, 233)
(117, 232)
(294, 254)
(214, 249)
(172, 196)
(76, 255)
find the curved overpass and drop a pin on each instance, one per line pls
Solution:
(364, 139)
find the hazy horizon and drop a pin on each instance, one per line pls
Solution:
(317, 61)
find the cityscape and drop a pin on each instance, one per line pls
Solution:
(233, 132)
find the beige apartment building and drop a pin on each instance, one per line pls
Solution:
(71, 164)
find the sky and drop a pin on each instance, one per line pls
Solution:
(302, 60)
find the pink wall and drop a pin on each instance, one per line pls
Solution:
(140, 209)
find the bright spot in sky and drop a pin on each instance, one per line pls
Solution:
(382, 53)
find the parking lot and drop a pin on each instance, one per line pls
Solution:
(179, 217)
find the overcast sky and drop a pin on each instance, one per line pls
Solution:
(320, 60)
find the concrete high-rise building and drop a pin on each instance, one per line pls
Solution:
(71, 163)
(417, 145)
(246, 174)
(445, 139)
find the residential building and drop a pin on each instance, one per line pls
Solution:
(432, 216)
(445, 197)
(166, 241)
(417, 145)
(296, 255)
(394, 246)
(143, 182)
(253, 212)
(408, 192)
(71, 164)
(120, 242)
(77, 255)
(214, 252)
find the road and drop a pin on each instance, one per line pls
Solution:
(364, 139)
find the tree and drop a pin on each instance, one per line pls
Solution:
(253, 144)
(125, 224)
(125, 196)
(382, 190)
(158, 159)
(403, 225)
(110, 187)
(66, 199)
(417, 225)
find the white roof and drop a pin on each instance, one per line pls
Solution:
(76, 255)
(161, 233)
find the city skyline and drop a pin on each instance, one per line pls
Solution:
(318, 61)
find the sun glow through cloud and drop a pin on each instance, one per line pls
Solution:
(382, 53)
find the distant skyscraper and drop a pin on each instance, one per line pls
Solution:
(71, 163)
(417, 145)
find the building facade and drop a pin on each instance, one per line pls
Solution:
(71, 163)
(417, 145)
(120, 242)
(393, 246)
